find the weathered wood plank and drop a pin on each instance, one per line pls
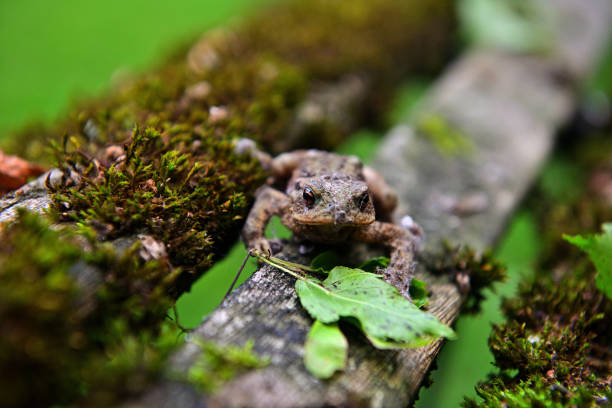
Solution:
(509, 107)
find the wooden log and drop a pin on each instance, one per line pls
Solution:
(506, 109)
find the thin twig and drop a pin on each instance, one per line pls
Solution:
(237, 275)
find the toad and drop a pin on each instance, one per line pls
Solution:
(330, 198)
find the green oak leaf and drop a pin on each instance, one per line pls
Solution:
(383, 313)
(599, 249)
(325, 350)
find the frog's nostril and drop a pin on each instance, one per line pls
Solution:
(339, 217)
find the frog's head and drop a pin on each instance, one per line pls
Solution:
(335, 199)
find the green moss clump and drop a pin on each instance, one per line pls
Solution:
(217, 365)
(80, 326)
(554, 349)
(535, 393)
(189, 195)
(472, 272)
(448, 140)
(550, 331)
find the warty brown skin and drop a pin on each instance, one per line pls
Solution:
(331, 198)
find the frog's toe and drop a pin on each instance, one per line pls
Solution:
(261, 246)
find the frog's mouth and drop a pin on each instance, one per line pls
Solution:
(337, 220)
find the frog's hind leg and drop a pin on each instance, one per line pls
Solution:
(403, 245)
(385, 198)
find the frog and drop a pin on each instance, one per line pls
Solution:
(329, 198)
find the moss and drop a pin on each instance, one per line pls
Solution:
(448, 140)
(551, 334)
(535, 393)
(72, 341)
(554, 349)
(557, 334)
(217, 364)
(189, 195)
(473, 273)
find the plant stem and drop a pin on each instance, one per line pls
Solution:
(280, 266)
(283, 266)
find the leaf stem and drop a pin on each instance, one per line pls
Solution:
(296, 267)
(274, 262)
(285, 265)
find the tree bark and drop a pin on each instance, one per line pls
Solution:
(508, 107)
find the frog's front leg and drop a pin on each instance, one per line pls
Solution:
(403, 245)
(268, 202)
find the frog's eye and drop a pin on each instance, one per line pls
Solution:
(309, 196)
(363, 201)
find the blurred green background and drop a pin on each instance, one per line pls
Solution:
(54, 52)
